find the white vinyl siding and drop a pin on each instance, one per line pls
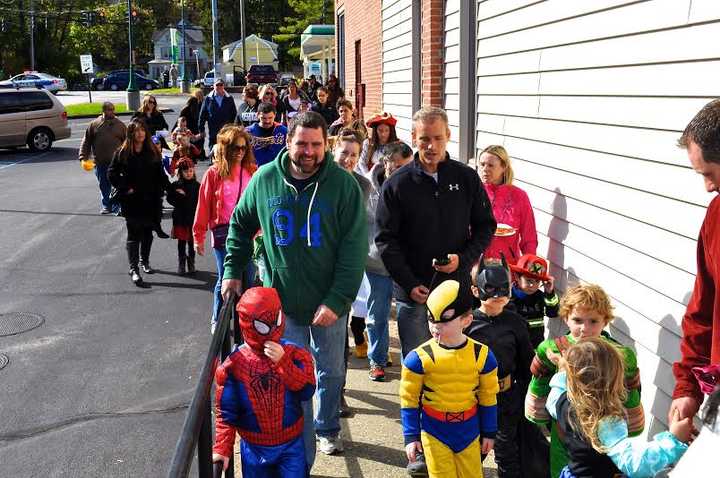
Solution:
(589, 98)
(451, 74)
(397, 84)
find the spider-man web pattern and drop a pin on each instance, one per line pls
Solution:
(261, 400)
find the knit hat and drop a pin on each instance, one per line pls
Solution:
(531, 266)
(381, 118)
(448, 301)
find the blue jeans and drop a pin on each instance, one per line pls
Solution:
(411, 321)
(376, 322)
(327, 345)
(101, 175)
(220, 266)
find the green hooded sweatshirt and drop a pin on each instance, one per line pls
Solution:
(315, 240)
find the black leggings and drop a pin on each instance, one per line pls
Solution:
(186, 249)
(357, 326)
(139, 241)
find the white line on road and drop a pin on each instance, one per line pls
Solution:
(23, 160)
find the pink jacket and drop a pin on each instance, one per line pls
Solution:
(511, 206)
(210, 201)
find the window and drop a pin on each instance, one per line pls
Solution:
(35, 101)
(10, 103)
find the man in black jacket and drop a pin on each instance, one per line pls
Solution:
(431, 209)
(218, 109)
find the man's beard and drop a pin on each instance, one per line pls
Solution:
(306, 167)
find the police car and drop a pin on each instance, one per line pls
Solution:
(37, 80)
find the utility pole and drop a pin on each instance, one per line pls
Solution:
(217, 68)
(32, 35)
(133, 95)
(242, 34)
(184, 84)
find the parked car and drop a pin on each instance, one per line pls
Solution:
(209, 79)
(33, 117)
(261, 74)
(119, 80)
(285, 78)
(37, 80)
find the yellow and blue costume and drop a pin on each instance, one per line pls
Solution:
(448, 395)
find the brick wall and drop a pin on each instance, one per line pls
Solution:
(433, 38)
(363, 20)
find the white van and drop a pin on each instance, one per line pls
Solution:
(33, 117)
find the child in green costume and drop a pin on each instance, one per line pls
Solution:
(587, 311)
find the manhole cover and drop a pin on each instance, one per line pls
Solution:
(19, 322)
(4, 360)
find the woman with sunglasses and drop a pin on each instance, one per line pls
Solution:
(220, 190)
(150, 114)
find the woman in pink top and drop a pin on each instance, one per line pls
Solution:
(220, 190)
(515, 234)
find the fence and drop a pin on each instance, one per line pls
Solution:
(197, 429)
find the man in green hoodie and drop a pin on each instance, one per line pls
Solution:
(312, 215)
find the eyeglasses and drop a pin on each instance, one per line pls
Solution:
(238, 147)
(152, 102)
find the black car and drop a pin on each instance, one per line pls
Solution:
(116, 81)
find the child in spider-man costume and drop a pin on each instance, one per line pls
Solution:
(259, 391)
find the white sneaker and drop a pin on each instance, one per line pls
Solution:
(330, 445)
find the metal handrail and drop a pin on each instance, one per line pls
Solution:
(197, 428)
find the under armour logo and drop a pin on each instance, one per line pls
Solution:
(453, 187)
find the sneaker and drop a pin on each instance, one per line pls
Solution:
(330, 445)
(418, 468)
(105, 211)
(377, 374)
(145, 266)
(361, 350)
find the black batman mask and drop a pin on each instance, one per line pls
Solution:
(493, 280)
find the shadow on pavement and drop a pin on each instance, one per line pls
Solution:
(202, 280)
(59, 213)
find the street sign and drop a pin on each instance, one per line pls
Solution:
(86, 65)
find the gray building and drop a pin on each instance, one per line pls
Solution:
(196, 60)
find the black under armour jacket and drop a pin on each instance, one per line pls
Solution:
(419, 219)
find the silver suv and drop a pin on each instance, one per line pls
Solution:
(33, 117)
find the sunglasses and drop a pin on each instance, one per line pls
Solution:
(238, 147)
(152, 102)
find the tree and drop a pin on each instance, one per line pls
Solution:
(305, 13)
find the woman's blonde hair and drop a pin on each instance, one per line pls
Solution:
(588, 296)
(502, 154)
(145, 107)
(224, 157)
(198, 94)
(595, 386)
(265, 89)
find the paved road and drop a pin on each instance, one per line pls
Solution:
(100, 388)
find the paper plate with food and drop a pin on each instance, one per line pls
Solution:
(505, 230)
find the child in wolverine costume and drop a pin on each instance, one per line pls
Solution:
(587, 311)
(260, 387)
(448, 390)
(520, 448)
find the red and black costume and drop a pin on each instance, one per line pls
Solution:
(261, 400)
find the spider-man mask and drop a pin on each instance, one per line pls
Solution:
(261, 317)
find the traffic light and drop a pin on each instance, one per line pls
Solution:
(135, 16)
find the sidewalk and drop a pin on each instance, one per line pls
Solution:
(373, 434)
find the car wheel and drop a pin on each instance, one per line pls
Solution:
(99, 87)
(114, 87)
(149, 86)
(40, 140)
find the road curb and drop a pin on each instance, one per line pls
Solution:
(125, 113)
